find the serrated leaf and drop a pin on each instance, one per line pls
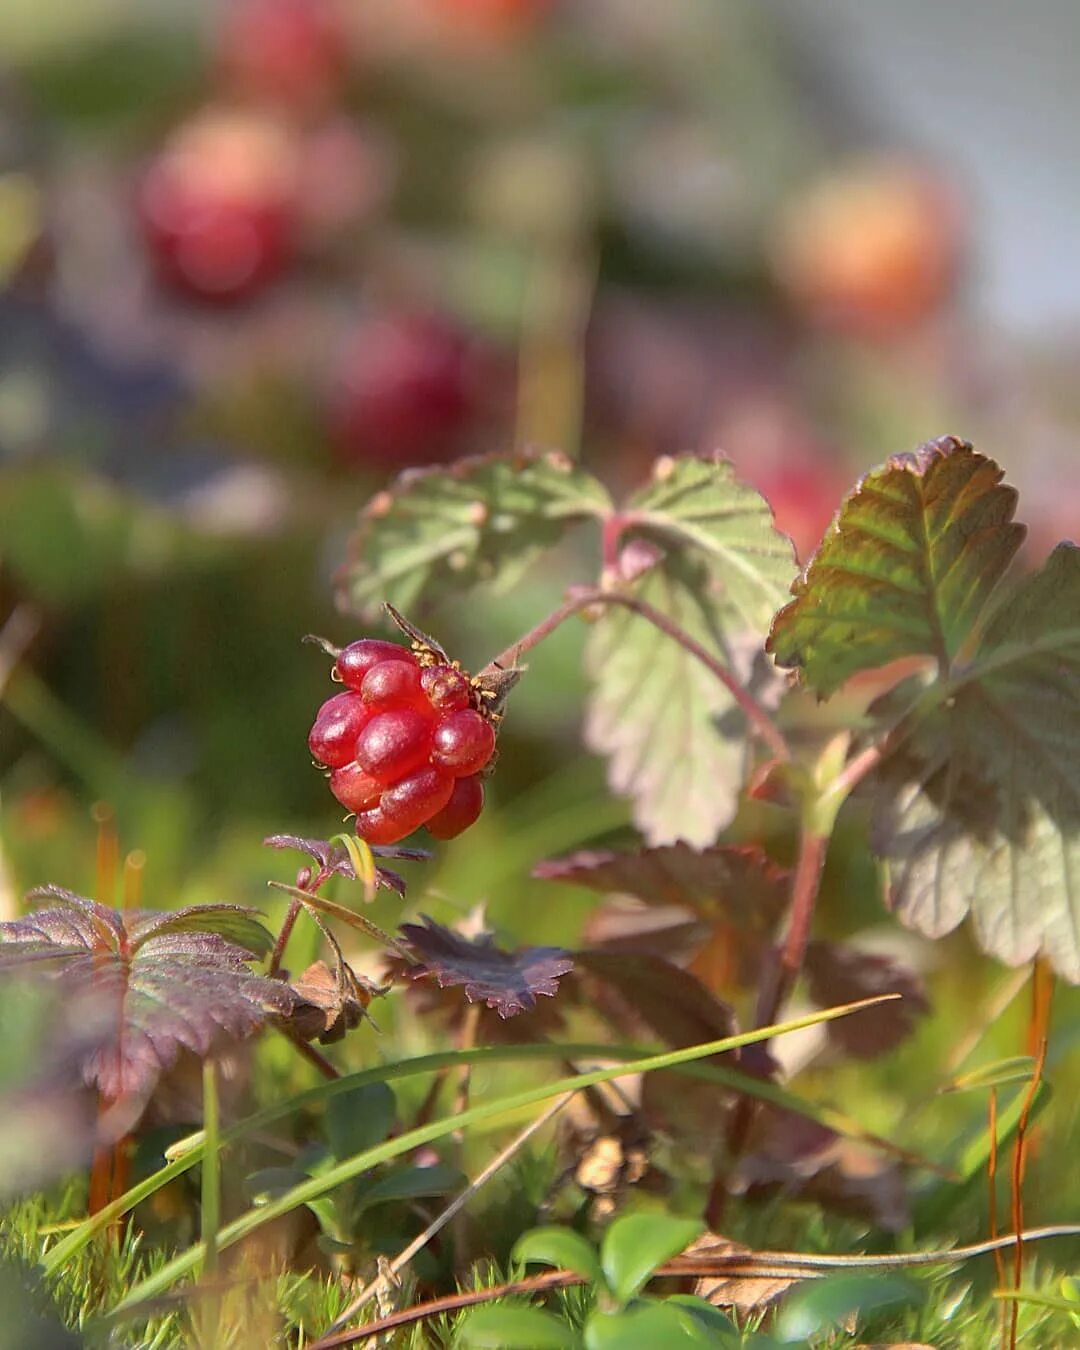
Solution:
(674, 739)
(167, 983)
(906, 569)
(507, 1326)
(839, 974)
(481, 520)
(560, 1247)
(334, 858)
(637, 1243)
(696, 503)
(739, 884)
(979, 808)
(509, 982)
(672, 733)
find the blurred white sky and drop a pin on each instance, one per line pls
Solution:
(991, 90)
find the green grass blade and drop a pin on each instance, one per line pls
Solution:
(210, 1217)
(70, 1245)
(314, 1187)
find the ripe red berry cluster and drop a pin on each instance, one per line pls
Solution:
(404, 742)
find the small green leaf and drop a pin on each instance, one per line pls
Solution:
(481, 520)
(360, 1119)
(697, 505)
(979, 808)
(635, 1245)
(504, 1326)
(906, 569)
(821, 1304)
(408, 1183)
(561, 1248)
(1014, 1069)
(651, 1326)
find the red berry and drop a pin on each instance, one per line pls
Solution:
(407, 392)
(339, 721)
(376, 829)
(447, 689)
(289, 51)
(465, 804)
(355, 789)
(217, 205)
(392, 682)
(463, 742)
(394, 743)
(422, 794)
(355, 660)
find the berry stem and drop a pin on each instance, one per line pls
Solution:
(758, 717)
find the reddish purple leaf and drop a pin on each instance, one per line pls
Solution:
(509, 982)
(171, 980)
(738, 884)
(838, 974)
(334, 860)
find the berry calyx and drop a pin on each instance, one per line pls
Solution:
(462, 810)
(447, 688)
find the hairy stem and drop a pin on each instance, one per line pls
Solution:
(289, 923)
(757, 716)
(804, 891)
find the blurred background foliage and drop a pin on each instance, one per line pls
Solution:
(258, 255)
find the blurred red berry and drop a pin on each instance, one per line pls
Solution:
(217, 206)
(289, 52)
(408, 391)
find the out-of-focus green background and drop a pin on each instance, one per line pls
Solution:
(258, 255)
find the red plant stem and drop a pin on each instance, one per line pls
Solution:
(754, 712)
(311, 1055)
(289, 922)
(991, 1179)
(804, 891)
(1018, 1182)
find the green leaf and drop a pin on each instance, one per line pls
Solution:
(823, 1303)
(506, 1327)
(673, 735)
(636, 1244)
(650, 1326)
(481, 520)
(408, 1183)
(906, 569)
(698, 504)
(559, 1247)
(979, 808)
(359, 1119)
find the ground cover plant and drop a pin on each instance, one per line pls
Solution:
(898, 717)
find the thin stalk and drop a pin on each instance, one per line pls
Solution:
(307, 1051)
(748, 1265)
(991, 1181)
(1019, 1159)
(398, 1264)
(756, 715)
(211, 1205)
(288, 924)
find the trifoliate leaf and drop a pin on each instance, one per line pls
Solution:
(168, 981)
(979, 808)
(481, 520)
(509, 982)
(906, 569)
